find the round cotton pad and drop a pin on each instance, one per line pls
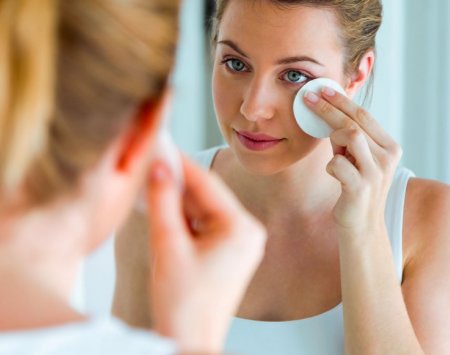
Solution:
(308, 121)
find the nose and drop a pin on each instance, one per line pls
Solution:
(258, 102)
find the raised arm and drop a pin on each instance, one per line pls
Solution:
(204, 247)
(380, 316)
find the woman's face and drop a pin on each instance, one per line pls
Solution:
(264, 55)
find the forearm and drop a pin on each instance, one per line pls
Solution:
(375, 315)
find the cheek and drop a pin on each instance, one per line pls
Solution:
(225, 96)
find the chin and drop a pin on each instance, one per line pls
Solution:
(264, 171)
(264, 164)
(274, 160)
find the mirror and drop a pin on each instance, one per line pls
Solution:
(409, 100)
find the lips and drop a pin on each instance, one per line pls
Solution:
(257, 137)
(257, 141)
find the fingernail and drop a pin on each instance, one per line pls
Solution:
(328, 91)
(312, 97)
(159, 172)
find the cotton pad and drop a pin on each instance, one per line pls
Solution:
(166, 150)
(308, 121)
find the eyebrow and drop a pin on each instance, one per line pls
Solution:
(288, 60)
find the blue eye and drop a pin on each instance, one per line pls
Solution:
(295, 77)
(235, 65)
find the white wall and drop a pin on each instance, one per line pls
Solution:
(427, 71)
(189, 114)
(411, 96)
(388, 96)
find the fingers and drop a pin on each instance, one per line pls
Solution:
(336, 118)
(355, 143)
(205, 209)
(339, 112)
(167, 223)
(365, 156)
(330, 114)
(361, 117)
(206, 196)
(343, 170)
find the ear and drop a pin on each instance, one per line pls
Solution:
(137, 143)
(116, 181)
(359, 78)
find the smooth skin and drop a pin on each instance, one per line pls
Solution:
(322, 201)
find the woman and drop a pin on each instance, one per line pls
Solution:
(356, 247)
(82, 98)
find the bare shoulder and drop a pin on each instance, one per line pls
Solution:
(425, 286)
(427, 207)
(427, 216)
(424, 192)
(223, 161)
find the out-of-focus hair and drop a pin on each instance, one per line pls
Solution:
(73, 74)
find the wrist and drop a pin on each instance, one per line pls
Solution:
(195, 330)
(194, 338)
(362, 234)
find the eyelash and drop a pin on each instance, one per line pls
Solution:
(228, 60)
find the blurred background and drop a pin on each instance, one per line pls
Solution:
(411, 101)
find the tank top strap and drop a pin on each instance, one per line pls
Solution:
(393, 216)
(206, 157)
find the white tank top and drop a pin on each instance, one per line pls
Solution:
(324, 333)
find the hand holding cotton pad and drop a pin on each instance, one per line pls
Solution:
(308, 121)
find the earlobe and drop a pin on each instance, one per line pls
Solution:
(359, 78)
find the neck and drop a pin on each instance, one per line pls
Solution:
(301, 192)
(40, 255)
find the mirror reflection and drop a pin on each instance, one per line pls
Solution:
(348, 220)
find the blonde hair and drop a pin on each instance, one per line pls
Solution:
(72, 75)
(26, 85)
(359, 20)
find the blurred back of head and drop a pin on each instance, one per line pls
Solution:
(73, 74)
